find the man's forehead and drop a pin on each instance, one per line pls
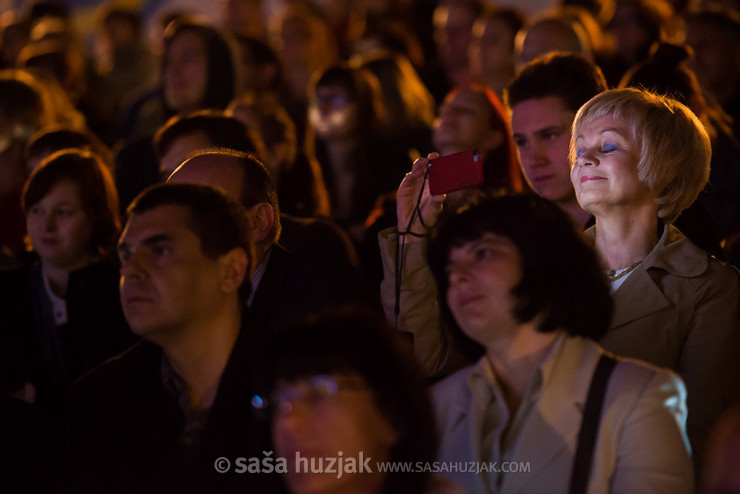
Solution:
(540, 113)
(171, 220)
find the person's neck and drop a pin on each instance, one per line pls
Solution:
(200, 356)
(515, 361)
(260, 252)
(624, 239)
(58, 276)
(340, 153)
(575, 211)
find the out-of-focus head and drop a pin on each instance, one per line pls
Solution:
(24, 108)
(494, 32)
(714, 35)
(673, 146)
(71, 186)
(199, 69)
(549, 34)
(274, 125)
(121, 27)
(636, 25)
(470, 117)
(15, 31)
(302, 38)
(260, 66)
(244, 17)
(183, 135)
(666, 72)
(55, 138)
(407, 100)
(453, 30)
(326, 393)
(561, 281)
(344, 99)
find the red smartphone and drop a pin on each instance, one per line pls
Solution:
(455, 171)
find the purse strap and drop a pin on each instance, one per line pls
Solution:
(590, 425)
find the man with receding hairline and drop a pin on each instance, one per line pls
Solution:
(285, 285)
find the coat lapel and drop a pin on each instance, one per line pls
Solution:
(636, 298)
(551, 430)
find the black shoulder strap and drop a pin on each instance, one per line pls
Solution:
(590, 425)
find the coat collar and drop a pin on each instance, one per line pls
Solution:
(639, 295)
(551, 429)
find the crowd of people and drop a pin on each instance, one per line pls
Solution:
(217, 273)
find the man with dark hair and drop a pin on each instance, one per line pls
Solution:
(202, 129)
(286, 284)
(155, 418)
(544, 98)
(182, 137)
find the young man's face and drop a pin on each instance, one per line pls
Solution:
(167, 282)
(541, 129)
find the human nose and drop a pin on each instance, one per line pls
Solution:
(459, 273)
(132, 264)
(50, 222)
(586, 158)
(535, 155)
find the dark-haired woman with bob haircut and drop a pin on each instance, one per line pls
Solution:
(519, 281)
(63, 313)
(343, 384)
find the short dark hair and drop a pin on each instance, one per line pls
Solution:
(51, 139)
(219, 221)
(257, 185)
(22, 102)
(352, 341)
(568, 76)
(562, 281)
(222, 131)
(95, 186)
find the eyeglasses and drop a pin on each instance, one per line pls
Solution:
(312, 391)
(334, 99)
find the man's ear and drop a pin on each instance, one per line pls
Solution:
(262, 218)
(234, 268)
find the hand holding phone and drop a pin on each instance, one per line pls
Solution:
(455, 171)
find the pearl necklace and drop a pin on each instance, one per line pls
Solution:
(612, 275)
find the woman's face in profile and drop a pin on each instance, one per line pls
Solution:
(320, 416)
(186, 72)
(604, 174)
(464, 122)
(59, 228)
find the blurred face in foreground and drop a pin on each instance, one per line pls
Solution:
(330, 416)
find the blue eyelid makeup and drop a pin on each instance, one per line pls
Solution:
(609, 146)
